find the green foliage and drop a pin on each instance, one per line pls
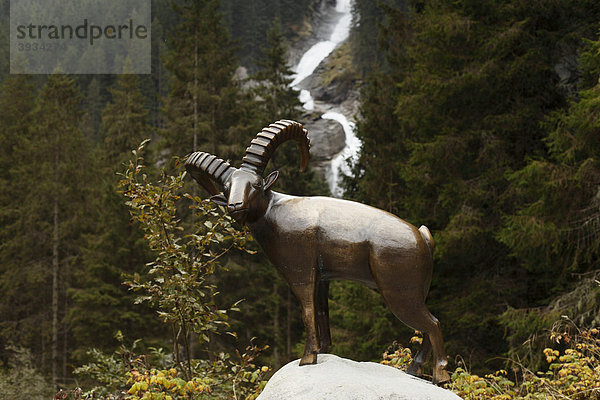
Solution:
(19, 378)
(448, 128)
(220, 379)
(124, 120)
(553, 230)
(559, 194)
(469, 125)
(203, 108)
(571, 370)
(276, 99)
(16, 104)
(48, 216)
(367, 17)
(178, 282)
(100, 302)
(109, 371)
(573, 373)
(361, 324)
(179, 286)
(526, 326)
(249, 22)
(127, 374)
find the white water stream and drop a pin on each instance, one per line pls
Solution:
(350, 151)
(307, 65)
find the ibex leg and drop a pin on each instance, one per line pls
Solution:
(418, 317)
(407, 306)
(306, 294)
(323, 316)
(416, 367)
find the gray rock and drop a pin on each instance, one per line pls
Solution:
(335, 378)
(327, 138)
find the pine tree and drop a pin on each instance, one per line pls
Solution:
(470, 88)
(94, 101)
(4, 52)
(276, 99)
(16, 104)
(202, 109)
(53, 165)
(101, 303)
(155, 86)
(366, 19)
(554, 230)
(124, 122)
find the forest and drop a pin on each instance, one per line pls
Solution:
(478, 119)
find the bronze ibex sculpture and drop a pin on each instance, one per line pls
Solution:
(312, 240)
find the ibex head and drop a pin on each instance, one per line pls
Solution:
(245, 192)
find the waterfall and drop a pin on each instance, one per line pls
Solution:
(305, 68)
(338, 163)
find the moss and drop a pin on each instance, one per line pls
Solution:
(339, 67)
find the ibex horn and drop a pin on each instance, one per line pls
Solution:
(207, 169)
(266, 141)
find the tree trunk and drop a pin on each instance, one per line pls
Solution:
(55, 244)
(65, 338)
(43, 337)
(195, 89)
(276, 333)
(288, 328)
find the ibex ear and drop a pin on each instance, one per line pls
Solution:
(271, 179)
(219, 199)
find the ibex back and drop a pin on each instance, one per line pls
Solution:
(312, 240)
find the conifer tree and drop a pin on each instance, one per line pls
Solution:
(276, 99)
(101, 303)
(202, 110)
(16, 104)
(53, 216)
(470, 91)
(154, 87)
(4, 53)
(555, 229)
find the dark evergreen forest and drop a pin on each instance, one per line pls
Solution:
(479, 119)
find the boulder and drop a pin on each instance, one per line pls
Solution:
(327, 138)
(334, 378)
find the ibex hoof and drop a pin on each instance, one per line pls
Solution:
(308, 359)
(440, 377)
(415, 369)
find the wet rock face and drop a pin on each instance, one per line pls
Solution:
(326, 138)
(319, 27)
(567, 69)
(336, 93)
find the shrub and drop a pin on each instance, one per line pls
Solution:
(179, 284)
(573, 371)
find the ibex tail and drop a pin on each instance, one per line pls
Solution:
(427, 236)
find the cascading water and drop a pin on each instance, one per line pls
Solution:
(305, 68)
(350, 151)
